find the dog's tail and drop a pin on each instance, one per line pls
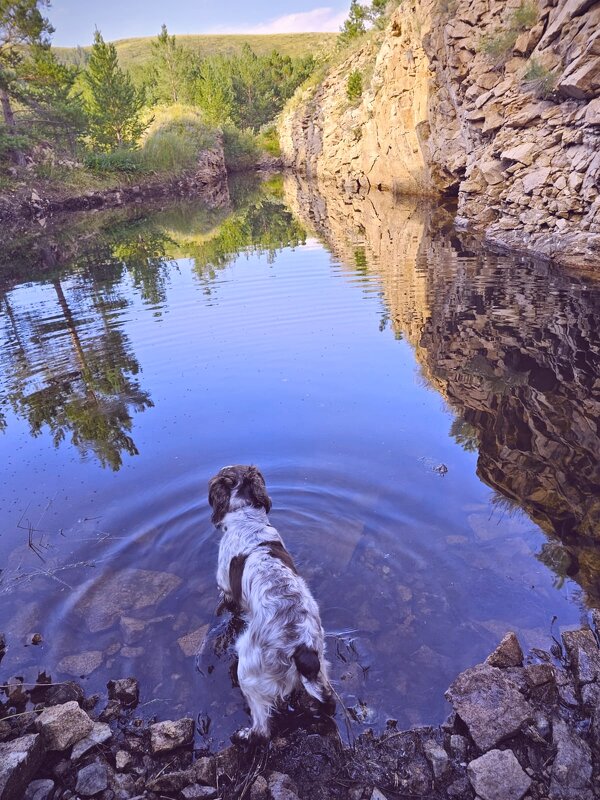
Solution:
(313, 677)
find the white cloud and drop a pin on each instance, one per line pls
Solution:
(317, 20)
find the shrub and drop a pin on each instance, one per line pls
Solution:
(268, 140)
(126, 161)
(241, 149)
(354, 86)
(175, 137)
(525, 16)
(499, 46)
(539, 79)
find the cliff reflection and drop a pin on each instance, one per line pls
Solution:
(67, 365)
(513, 346)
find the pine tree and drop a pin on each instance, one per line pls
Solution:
(167, 67)
(22, 25)
(356, 24)
(112, 103)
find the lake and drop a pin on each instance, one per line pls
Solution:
(425, 414)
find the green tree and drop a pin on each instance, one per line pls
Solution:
(356, 23)
(22, 25)
(113, 105)
(167, 68)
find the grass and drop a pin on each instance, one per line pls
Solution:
(498, 46)
(134, 53)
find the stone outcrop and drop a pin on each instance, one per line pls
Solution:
(516, 136)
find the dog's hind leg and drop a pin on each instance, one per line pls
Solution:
(261, 705)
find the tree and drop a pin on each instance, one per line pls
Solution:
(22, 25)
(113, 105)
(356, 24)
(167, 67)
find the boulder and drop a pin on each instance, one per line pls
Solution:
(437, 757)
(497, 775)
(259, 789)
(169, 735)
(39, 790)
(508, 653)
(584, 655)
(62, 726)
(92, 780)
(522, 153)
(582, 79)
(19, 761)
(490, 705)
(99, 734)
(572, 767)
(282, 787)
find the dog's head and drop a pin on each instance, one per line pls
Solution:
(236, 487)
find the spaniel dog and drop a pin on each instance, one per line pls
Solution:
(282, 645)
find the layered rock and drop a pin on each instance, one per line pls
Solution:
(515, 136)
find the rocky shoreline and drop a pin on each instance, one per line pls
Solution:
(520, 728)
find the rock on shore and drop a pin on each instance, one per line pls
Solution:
(521, 728)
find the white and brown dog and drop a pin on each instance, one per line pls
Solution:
(282, 645)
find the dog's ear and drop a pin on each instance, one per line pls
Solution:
(219, 494)
(254, 488)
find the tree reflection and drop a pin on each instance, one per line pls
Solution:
(72, 371)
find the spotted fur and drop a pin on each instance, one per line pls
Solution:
(282, 645)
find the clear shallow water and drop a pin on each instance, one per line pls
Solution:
(408, 400)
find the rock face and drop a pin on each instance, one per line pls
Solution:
(516, 136)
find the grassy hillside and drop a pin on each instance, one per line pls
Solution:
(133, 53)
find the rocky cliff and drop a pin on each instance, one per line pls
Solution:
(496, 102)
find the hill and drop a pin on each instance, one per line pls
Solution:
(134, 53)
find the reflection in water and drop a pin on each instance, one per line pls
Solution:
(513, 346)
(253, 342)
(73, 369)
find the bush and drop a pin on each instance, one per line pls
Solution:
(499, 46)
(241, 148)
(174, 139)
(525, 16)
(354, 86)
(540, 80)
(268, 140)
(126, 161)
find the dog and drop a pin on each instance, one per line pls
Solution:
(282, 646)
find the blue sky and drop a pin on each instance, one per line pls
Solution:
(75, 20)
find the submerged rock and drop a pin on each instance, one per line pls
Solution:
(126, 590)
(81, 664)
(125, 690)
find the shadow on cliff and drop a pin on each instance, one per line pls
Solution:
(513, 346)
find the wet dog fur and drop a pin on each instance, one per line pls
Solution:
(282, 646)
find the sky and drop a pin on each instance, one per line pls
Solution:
(75, 20)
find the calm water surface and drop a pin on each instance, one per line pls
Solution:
(426, 417)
